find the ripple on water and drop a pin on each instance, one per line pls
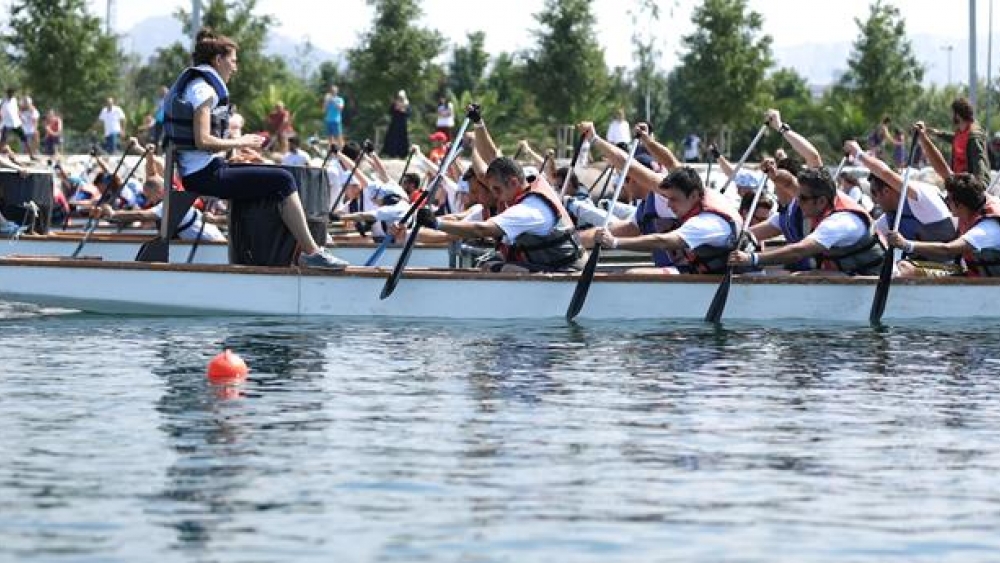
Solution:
(380, 440)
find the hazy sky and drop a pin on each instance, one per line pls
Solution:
(334, 25)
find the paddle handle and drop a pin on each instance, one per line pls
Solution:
(902, 191)
(572, 164)
(746, 155)
(620, 181)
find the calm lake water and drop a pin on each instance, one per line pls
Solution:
(483, 442)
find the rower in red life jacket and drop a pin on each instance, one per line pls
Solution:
(536, 232)
(843, 238)
(709, 224)
(978, 242)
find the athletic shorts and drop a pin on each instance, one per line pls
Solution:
(333, 128)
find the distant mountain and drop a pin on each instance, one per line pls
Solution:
(823, 63)
(153, 33)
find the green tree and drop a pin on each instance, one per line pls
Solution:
(237, 20)
(568, 74)
(67, 60)
(468, 65)
(648, 99)
(883, 72)
(721, 80)
(394, 55)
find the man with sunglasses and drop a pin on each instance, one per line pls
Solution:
(843, 238)
(978, 215)
(926, 216)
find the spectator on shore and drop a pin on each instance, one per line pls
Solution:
(618, 129)
(112, 118)
(279, 127)
(692, 148)
(397, 136)
(53, 133)
(333, 109)
(29, 123)
(10, 121)
(445, 117)
(439, 147)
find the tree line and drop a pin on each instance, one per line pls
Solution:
(58, 51)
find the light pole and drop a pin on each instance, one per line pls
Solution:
(195, 18)
(973, 78)
(949, 49)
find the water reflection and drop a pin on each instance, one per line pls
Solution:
(220, 443)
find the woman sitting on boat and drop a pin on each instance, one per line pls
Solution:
(197, 111)
(978, 243)
(843, 239)
(536, 232)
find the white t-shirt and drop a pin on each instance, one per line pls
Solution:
(531, 216)
(928, 207)
(211, 232)
(618, 132)
(706, 229)
(662, 209)
(29, 121)
(297, 158)
(859, 195)
(196, 93)
(984, 235)
(112, 119)
(10, 116)
(446, 115)
(840, 229)
(692, 147)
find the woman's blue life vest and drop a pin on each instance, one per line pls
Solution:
(178, 123)
(792, 225)
(650, 222)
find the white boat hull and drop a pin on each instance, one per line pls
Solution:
(132, 288)
(119, 248)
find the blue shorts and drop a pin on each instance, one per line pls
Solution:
(332, 128)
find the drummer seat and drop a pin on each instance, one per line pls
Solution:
(175, 207)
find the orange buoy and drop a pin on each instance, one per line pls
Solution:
(227, 368)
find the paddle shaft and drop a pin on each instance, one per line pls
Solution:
(721, 297)
(201, 231)
(890, 257)
(350, 176)
(587, 276)
(600, 177)
(572, 165)
(397, 272)
(406, 167)
(746, 155)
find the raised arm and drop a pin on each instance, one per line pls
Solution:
(484, 142)
(798, 143)
(880, 169)
(660, 152)
(931, 151)
(379, 168)
(644, 178)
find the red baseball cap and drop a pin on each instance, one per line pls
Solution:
(438, 136)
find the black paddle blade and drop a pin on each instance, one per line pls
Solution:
(583, 285)
(156, 250)
(715, 310)
(882, 289)
(397, 272)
